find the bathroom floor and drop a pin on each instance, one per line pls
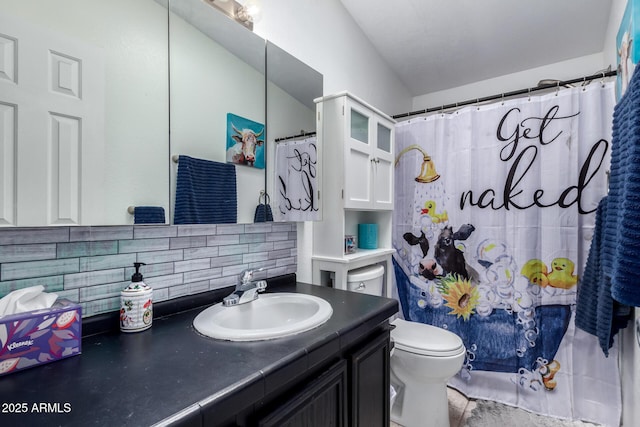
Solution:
(460, 409)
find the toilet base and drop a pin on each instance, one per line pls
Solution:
(414, 408)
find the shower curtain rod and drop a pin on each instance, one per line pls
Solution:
(509, 94)
(300, 135)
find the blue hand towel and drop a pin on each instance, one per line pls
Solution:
(622, 227)
(596, 312)
(148, 215)
(263, 213)
(205, 192)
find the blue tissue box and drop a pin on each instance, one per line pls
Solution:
(368, 236)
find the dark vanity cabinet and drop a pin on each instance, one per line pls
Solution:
(334, 375)
(349, 388)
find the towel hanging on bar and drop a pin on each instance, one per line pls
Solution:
(147, 214)
(205, 192)
(263, 210)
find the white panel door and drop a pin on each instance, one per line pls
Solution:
(52, 126)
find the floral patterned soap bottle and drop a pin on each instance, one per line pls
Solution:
(136, 307)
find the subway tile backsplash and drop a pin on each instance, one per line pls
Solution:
(91, 265)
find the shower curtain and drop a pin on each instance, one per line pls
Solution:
(493, 218)
(296, 168)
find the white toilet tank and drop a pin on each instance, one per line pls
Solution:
(366, 279)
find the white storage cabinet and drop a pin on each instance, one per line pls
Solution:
(358, 162)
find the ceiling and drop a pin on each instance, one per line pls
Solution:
(434, 45)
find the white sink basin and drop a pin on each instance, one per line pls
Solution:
(270, 316)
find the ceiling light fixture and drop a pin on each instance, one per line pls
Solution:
(245, 14)
(250, 11)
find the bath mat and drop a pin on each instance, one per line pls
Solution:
(491, 414)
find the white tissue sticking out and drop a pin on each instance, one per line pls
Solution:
(27, 299)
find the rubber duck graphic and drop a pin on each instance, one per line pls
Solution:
(536, 271)
(430, 209)
(549, 371)
(561, 275)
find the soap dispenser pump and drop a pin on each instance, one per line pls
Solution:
(136, 306)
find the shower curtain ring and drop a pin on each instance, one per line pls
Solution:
(502, 98)
(584, 83)
(529, 94)
(602, 81)
(557, 87)
(478, 104)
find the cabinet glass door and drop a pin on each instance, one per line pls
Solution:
(359, 126)
(383, 166)
(384, 138)
(358, 158)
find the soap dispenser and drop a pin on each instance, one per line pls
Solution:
(136, 307)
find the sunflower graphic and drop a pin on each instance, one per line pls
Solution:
(461, 296)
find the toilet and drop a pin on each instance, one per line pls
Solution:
(423, 359)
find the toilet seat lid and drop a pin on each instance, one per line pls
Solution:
(428, 340)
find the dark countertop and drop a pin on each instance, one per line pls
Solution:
(172, 371)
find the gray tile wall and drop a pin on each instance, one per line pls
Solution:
(91, 265)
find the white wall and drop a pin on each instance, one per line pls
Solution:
(329, 40)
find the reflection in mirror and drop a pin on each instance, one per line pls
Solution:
(291, 88)
(84, 107)
(217, 69)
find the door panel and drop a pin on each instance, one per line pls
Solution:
(370, 384)
(322, 403)
(7, 164)
(64, 166)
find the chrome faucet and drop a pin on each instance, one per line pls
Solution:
(247, 290)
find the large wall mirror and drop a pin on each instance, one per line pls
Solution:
(292, 87)
(83, 110)
(97, 97)
(217, 70)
